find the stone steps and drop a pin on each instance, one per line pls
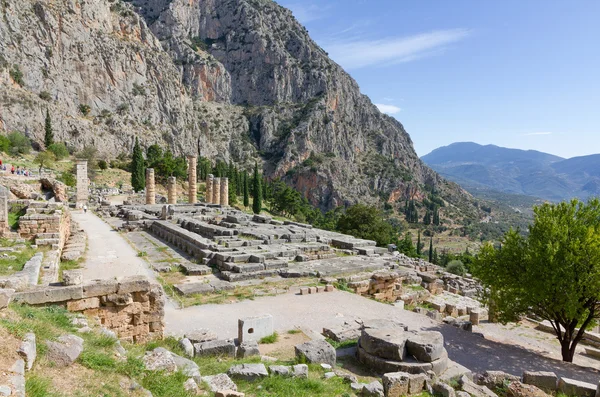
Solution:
(233, 277)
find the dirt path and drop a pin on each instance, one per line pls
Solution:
(108, 255)
(313, 312)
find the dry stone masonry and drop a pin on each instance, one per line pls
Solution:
(192, 180)
(82, 182)
(172, 190)
(150, 187)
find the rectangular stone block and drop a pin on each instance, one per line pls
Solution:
(99, 288)
(215, 348)
(304, 291)
(312, 290)
(83, 304)
(329, 288)
(572, 387)
(544, 380)
(254, 328)
(133, 284)
(320, 288)
(50, 295)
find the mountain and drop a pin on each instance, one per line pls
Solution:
(236, 80)
(514, 171)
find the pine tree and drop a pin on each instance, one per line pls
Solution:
(419, 244)
(431, 250)
(436, 217)
(138, 179)
(49, 134)
(436, 258)
(246, 190)
(427, 218)
(257, 191)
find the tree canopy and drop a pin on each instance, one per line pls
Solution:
(366, 222)
(553, 273)
(138, 168)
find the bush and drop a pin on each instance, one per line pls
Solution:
(19, 143)
(60, 150)
(102, 164)
(68, 179)
(4, 144)
(45, 95)
(456, 267)
(84, 109)
(17, 75)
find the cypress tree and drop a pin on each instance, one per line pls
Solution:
(138, 179)
(257, 191)
(246, 190)
(431, 250)
(419, 244)
(49, 134)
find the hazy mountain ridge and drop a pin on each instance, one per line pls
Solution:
(515, 171)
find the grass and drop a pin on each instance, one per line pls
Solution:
(10, 266)
(68, 265)
(274, 337)
(342, 345)
(142, 254)
(13, 218)
(294, 331)
(37, 386)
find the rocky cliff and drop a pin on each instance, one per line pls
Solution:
(233, 79)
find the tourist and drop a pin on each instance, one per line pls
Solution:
(12, 169)
(85, 208)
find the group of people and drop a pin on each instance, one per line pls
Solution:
(15, 171)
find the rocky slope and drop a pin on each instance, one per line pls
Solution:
(233, 79)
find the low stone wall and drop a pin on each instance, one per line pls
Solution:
(48, 223)
(29, 276)
(383, 286)
(132, 307)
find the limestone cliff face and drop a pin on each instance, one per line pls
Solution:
(234, 79)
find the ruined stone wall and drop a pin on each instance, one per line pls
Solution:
(132, 307)
(48, 223)
(383, 286)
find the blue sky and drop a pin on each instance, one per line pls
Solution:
(522, 74)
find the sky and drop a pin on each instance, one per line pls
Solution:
(514, 73)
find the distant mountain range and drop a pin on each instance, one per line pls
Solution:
(515, 171)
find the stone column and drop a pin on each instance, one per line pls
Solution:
(192, 180)
(209, 191)
(216, 191)
(83, 183)
(172, 190)
(150, 187)
(224, 192)
(4, 228)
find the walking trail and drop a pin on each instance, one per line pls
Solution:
(109, 256)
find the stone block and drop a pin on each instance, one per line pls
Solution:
(50, 295)
(28, 350)
(133, 284)
(387, 343)
(248, 372)
(300, 371)
(159, 360)
(6, 296)
(373, 389)
(83, 304)
(426, 346)
(312, 290)
(320, 288)
(65, 350)
(215, 348)
(572, 387)
(254, 328)
(547, 381)
(395, 384)
(316, 351)
(518, 389)
(99, 288)
(329, 288)
(72, 277)
(443, 390)
(280, 370)
(248, 349)
(229, 393)
(304, 291)
(201, 335)
(219, 382)
(474, 317)
(187, 347)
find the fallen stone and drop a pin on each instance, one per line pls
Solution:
(5, 390)
(65, 350)
(28, 350)
(248, 349)
(300, 371)
(248, 371)
(426, 346)
(474, 389)
(329, 375)
(229, 393)
(518, 389)
(443, 390)
(395, 384)
(387, 343)
(5, 297)
(191, 386)
(215, 348)
(572, 387)
(493, 379)
(72, 277)
(187, 347)
(159, 360)
(201, 335)
(325, 366)
(316, 351)
(373, 389)
(547, 381)
(219, 382)
(184, 365)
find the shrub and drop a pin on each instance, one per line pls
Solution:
(122, 108)
(19, 143)
(60, 150)
(45, 95)
(102, 164)
(84, 109)
(4, 144)
(17, 75)
(456, 267)
(138, 90)
(67, 178)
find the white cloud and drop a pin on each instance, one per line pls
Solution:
(360, 53)
(537, 133)
(306, 13)
(389, 109)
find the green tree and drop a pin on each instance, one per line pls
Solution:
(246, 190)
(366, 222)
(4, 144)
(257, 191)
(19, 143)
(154, 154)
(138, 177)
(59, 150)
(419, 246)
(553, 272)
(456, 267)
(431, 250)
(44, 159)
(48, 133)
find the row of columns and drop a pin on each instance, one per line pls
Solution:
(217, 189)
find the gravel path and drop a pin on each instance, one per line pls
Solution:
(313, 312)
(108, 255)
